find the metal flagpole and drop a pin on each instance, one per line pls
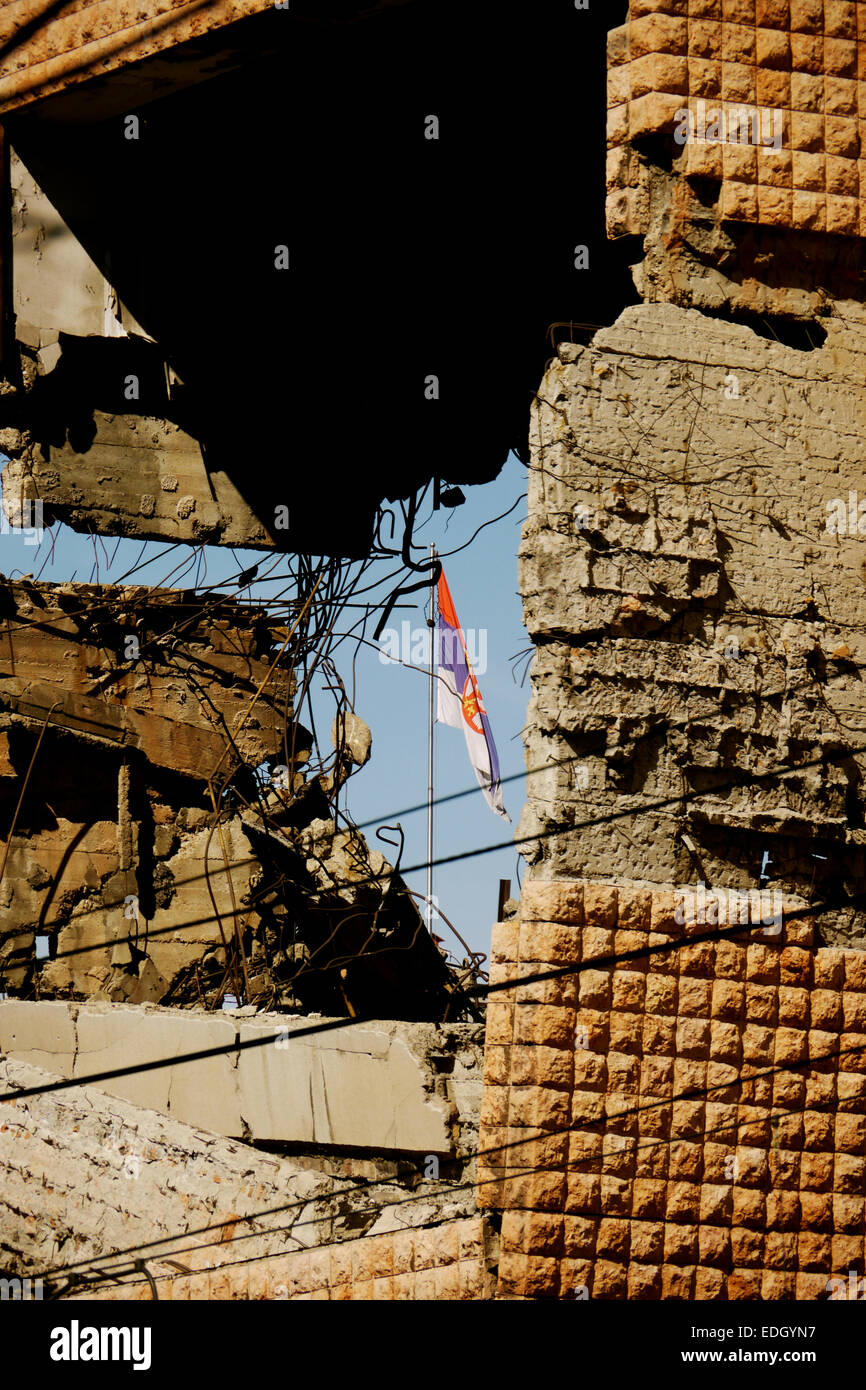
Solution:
(431, 621)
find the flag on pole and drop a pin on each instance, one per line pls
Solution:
(458, 700)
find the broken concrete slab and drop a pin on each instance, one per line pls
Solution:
(46, 1036)
(117, 664)
(365, 1089)
(203, 1094)
(375, 1087)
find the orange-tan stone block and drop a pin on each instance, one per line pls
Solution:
(86, 38)
(687, 1122)
(789, 73)
(447, 1261)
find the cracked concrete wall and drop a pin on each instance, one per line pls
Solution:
(147, 696)
(697, 694)
(90, 424)
(86, 1176)
(387, 1087)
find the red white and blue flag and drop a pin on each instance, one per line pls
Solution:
(458, 700)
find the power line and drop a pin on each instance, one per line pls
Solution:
(377, 879)
(669, 724)
(332, 1025)
(695, 1093)
(609, 817)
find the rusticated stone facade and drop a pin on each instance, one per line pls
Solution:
(689, 1123)
(56, 47)
(797, 66)
(447, 1261)
(89, 1177)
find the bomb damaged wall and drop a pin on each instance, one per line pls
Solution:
(161, 840)
(676, 1110)
(697, 695)
(270, 346)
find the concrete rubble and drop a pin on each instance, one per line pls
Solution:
(135, 890)
(677, 1109)
(380, 1087)
(112, 1176)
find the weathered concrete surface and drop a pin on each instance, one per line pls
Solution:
(57, 287)
(161, 672)
(84, 1175)
(87, 907)
(698, 680)
(131, 475)
(134, 700)
(96, 435)
(386, 1087)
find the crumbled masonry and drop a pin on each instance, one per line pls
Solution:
(679, 1110)
(114, 1175)
(130, 879)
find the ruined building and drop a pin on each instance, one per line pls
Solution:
(685, 1119)
(697, 710)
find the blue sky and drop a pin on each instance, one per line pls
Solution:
(390, 698)
(393, 701)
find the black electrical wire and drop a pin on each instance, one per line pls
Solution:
(607, 818)
(333, 1025)
(507, 1175)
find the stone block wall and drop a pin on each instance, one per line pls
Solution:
(87, 1176)
(447, 1261)
(689, 1123)
(692, 570)
(804, 59)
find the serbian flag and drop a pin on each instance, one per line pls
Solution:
(458, 700)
